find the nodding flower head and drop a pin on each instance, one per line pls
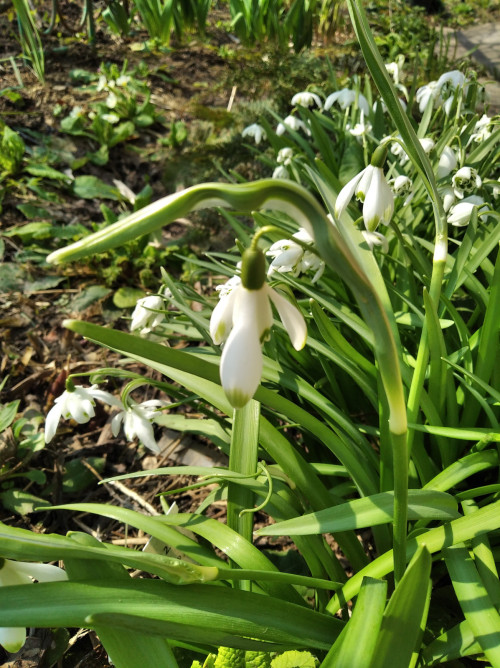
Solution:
(371, 188)
(466, 181)
(242, 321)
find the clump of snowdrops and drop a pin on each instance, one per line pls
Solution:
(347, 363)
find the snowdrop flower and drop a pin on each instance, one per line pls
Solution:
(225, 288)
(292, 123)
(427, 144)
(290, 257)
(347, 97)
(375, 239)
(19, 573)
(402, 187)
(137, 420)
(461, 213)
(482, 130)
(111, 101)
(361, 128)
(451, 80)
(466, 181)
(447, 162)
(393, 70)
(371, 188)
(285, 155)
(145, 316)
(255, 131)
(281, 172)
(396, 149)
(496, 189)
(77, 403)
(448, 197)
(426, 94)
(242, 321)
(306, 99)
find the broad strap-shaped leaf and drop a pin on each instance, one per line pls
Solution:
(405, 616)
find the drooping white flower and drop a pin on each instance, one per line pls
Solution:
(255, 131)
(448, 197)
(447, 162)
(346, 98)
(375, 239)
(137, 420)
(371, 188)
(461, 213)
(292, 123)
(243, 320)
(225, 288)
(77, 404)
(148, 314)
(306, 99)
(285, 155)
(360, 129)
(393, 70)
(397, 149)
(402, 187)
(465, 181)
(482, 130)
(431, 92)
(19, 573)
(290, 257)
(281, 172)
(451, 80)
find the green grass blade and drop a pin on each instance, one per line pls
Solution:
(365, 512)
(475, 601)
(188, 614)
(355, 646)
(404, 619)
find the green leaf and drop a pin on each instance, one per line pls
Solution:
(45, 171)
(89, 296)
(21, 502)
(126, 297)
(189, 613)
(7, 414)
(78, 477)
(90, 187)
(11, 151)
(30, 231)
(355, 646)
(474, 599)
(126, 648)
(481, 521)
(404, 619)
(294, 659)
(366, 512)
(30, 211)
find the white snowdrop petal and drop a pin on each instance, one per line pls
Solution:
(346, 194)
(12, 638)
(291, 318)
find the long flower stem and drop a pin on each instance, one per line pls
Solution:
(243, 459)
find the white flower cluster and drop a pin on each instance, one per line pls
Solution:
(78, 404)
(292, 257)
